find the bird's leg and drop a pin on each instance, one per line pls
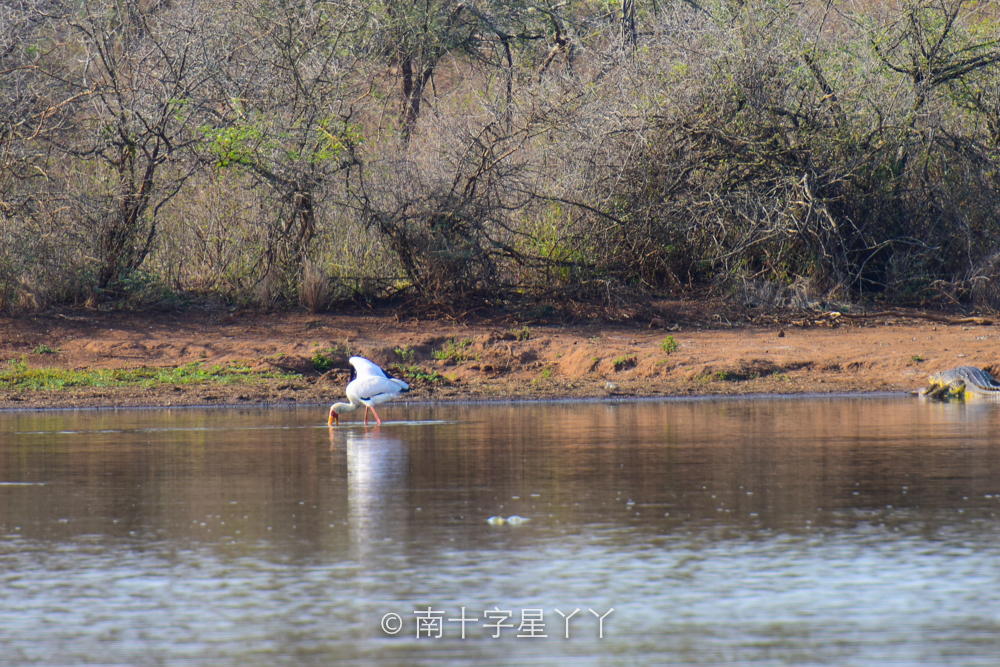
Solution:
(366, 415)
(376, 416)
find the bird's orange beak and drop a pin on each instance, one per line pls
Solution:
(334, 419)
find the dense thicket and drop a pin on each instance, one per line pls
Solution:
(271, 152)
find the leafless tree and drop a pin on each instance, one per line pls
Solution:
(122, 86)
(287, 117)
(416, 40)
(453, 227)
(926, 44)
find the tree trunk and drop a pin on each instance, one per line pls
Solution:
(413, 91)
(628, 33)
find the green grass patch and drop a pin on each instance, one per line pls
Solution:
(625, 361)
(17, 375)
(669, 345)
(524, 333)
(456, 350)
(324, 359)
(45, 349)
(917, 358)
(407, 354)
(413, 372)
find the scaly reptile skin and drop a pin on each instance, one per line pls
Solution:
(963, 382)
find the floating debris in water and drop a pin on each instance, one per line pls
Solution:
(513, 520)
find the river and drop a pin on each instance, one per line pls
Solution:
(796, 531)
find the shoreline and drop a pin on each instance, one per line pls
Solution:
(481, 402)
(244, 360)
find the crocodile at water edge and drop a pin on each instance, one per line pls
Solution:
(963, 382)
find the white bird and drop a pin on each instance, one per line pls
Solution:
(369, 386)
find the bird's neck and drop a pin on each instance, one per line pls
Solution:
(341, 408)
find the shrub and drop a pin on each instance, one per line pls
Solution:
(669, 345)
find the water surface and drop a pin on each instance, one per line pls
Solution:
(819, 531)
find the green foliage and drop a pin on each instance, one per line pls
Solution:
(135, 289)
(234, 145)
(568, 259)
(406, 353)
(45, 349)
(415, 373)
(331, 144)
(917, 358)
(325, 359)
(669, 345)
(253, 144)
(18, 376)
(524, 333)
(321, 362)
(455, 350)
(625, 361)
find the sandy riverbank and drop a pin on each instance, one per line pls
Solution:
(713, 355)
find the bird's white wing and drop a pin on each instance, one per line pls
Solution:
(365, 368)
(375, 389)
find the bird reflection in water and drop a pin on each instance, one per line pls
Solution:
(377, 470)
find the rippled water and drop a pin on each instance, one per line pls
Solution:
(819, 531)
